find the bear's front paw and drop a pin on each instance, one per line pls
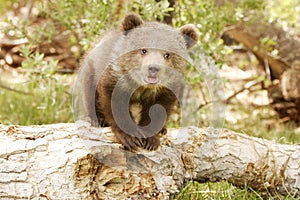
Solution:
(129, 143)
(163, 131)
(151, 143)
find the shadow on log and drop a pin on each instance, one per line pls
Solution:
(60, 161)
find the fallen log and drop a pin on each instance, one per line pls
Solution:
(61, 161)
(238, 33)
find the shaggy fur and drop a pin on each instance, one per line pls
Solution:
(129, 73)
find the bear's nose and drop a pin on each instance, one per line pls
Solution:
(153, 69)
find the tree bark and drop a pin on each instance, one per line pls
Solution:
(61, 161)
(252, 34)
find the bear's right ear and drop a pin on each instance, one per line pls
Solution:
(131, 21)
(190, 34)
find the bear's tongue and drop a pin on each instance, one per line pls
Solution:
(151, 79)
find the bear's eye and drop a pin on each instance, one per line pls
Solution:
(144, 51)
(167, 55)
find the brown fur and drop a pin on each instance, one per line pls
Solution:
(131, 21)
(138, 61)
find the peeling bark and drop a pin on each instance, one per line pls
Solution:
(63, 162)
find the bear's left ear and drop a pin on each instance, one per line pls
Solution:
(131, 21)
(190, 34)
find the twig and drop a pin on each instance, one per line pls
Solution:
(247, 86)
(13, 90)
(10, 42)
(267, 69)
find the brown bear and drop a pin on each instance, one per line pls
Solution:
(129, 80)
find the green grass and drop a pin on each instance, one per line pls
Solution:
(263, 122)
(223, 191)
(36, 107)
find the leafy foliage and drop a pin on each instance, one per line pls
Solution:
(89, 21)
(48, 99)
(151, 10)
(284, 13)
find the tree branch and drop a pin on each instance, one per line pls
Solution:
(13, 90)
(247, 86)
(239, 34)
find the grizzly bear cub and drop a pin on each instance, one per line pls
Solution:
(130, 80)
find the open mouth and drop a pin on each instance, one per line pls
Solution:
(151, 79)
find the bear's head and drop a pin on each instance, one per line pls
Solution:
(151, 50)
(188, 32)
